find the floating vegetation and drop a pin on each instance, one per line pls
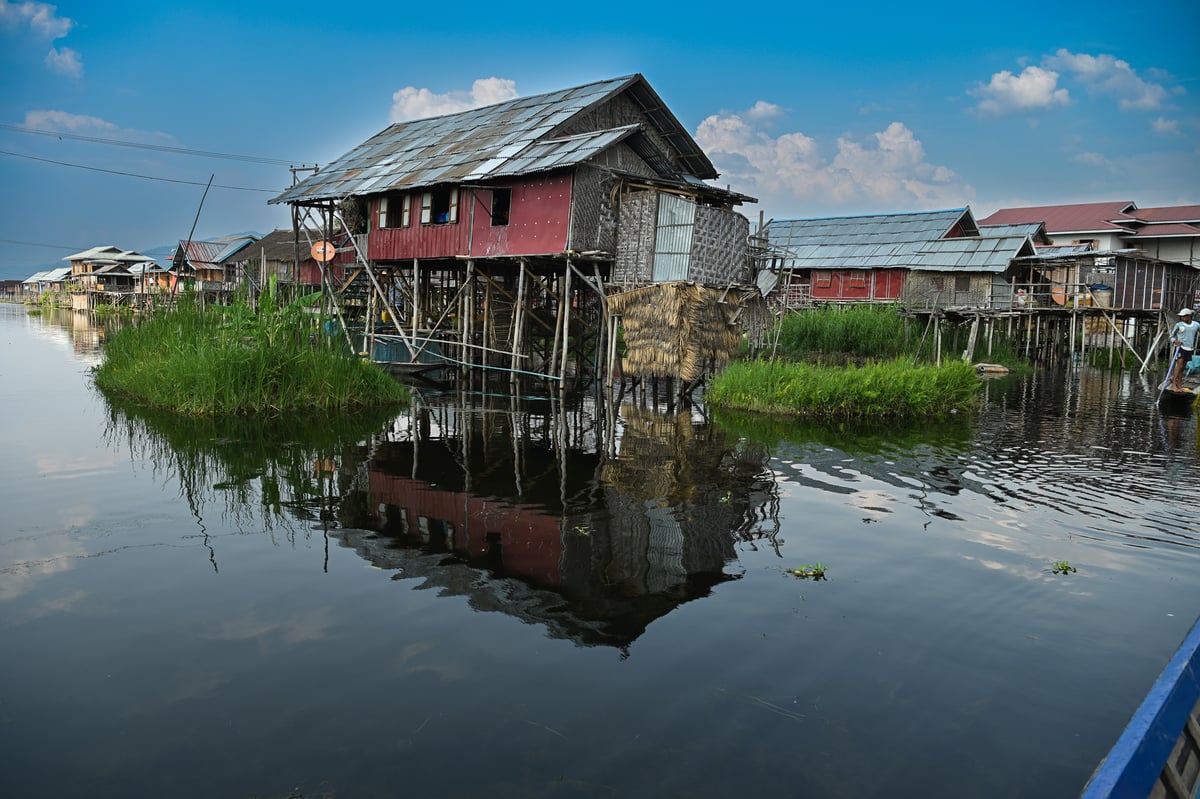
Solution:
(892, 390)
(1062, 567)
(234, 360)
(809, 571)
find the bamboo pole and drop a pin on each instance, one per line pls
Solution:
(518, 318)
(566, 325)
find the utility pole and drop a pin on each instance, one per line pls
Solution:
(296, 229)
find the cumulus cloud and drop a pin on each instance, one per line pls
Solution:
(1044, 87)
(65, 62)
(43, 23)
(1106, 74)
(413, 103)
(42, 19)
(1035, 88)
(886, 170)
(1165, 126)
(763, 110)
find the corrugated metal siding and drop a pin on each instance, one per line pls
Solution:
(418, 241)
(538, 219)
(673, 238)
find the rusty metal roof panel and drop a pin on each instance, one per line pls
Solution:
(507, 138)
(859, 242)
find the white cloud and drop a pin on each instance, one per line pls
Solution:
(888, 170)
(1165, 126)
(1092, 159)
(763, 110)
(41, 18)
(65, 62)
(413, 103)
(1034, 88)
(1106, 74)
(62, 120)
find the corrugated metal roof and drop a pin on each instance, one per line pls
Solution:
(1170, 213)
(212, 252)
(859, 242)
(974, 253)
(1165, 229)
(514, 137)
(49, 275)
(95, 252)
(1064, 251)
(1079, 218)
(108, 254)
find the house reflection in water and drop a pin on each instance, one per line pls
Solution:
(499, 506)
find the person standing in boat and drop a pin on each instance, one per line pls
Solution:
(1183, 336)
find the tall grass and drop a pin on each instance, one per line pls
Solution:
(233, 360)
(891, 389)
(862, 331)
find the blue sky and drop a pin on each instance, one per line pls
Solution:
(832, 110)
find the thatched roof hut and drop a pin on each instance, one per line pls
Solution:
(681, 329)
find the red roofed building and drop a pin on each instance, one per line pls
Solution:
(1170, 233)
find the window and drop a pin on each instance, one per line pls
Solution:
(394, 211)
(439, 207)
(824, 279)
(501, 201)
(858, 279)
(962, 283)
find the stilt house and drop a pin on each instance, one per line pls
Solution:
(494, 237)
(926, 259)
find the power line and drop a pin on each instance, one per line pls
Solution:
(39, 244)
(135, 175)
(140, 145)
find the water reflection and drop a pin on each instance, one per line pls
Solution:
(80, 331)
(275, 475)
(510, 505)
(513, 504)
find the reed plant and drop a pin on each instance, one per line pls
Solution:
(231, 360)
(894, 389)
(859, 331)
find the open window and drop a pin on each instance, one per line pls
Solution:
(501, 202)
(439, 207)
(394, 211)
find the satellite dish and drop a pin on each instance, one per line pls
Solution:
(323, 251)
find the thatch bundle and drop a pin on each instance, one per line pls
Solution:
(680, 329)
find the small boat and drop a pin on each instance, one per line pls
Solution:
(1158, 753)
(1172, 401)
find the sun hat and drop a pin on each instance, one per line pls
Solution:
(1185, 312)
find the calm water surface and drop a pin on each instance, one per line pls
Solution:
(486, 597)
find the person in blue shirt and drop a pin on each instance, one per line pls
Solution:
(1183, 336)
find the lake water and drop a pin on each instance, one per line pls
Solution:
(488, 596)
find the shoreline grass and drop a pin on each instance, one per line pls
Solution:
(231, 360)
(894, 389)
